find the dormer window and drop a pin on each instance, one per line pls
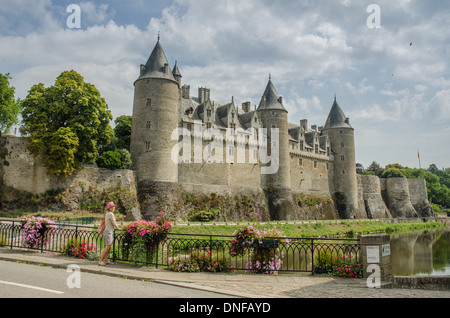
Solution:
(208, 112)
(149, 102)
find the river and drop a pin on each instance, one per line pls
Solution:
(421, 253)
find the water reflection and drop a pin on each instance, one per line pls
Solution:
(421, 253)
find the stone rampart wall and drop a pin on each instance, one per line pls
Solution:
(378, 198)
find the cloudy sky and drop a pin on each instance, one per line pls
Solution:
(389, 68)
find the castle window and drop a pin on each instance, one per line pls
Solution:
(149, 102)
(147, 146)
(231, 150)
(208, 125)
(316, 149)
(274, 126)
(342, 144)
(343, 172)
(148, 81)
(340, 131)
(301, 145)
(232, 115)
(315, 164)
(300, 162)
(256, 119)
(208, 112)
(328, 151)
(342, 158)
(233, 127)
(148, 125)
(326, 166)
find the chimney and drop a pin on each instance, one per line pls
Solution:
(185, 91)
(246, 107)
(304, 124)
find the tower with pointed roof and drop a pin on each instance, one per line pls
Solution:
(155, 109)
(341, 136)
(273, 115)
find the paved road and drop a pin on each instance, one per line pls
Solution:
(30, 281)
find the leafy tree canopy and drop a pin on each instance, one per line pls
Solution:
(74, 105)
(9, 107)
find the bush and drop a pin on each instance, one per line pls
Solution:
(85, 250)
(110, 160)
(202, 215)
(338, 264)
(199, 261)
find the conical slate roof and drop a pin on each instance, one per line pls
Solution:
(270, 98)
(336, 118)
(176, 70)
(155, 66)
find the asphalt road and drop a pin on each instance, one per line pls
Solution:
(32, 281)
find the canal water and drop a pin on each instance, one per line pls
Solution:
(421, 253)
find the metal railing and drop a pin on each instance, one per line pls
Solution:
(296, 254)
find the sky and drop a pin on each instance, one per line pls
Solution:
(387, 62)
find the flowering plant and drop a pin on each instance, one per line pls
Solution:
(144, 235)
(264, 254)
(36, 230)
(85, 250)
(256, 216)
(244, 239)
(338, 264)
(348, 266)
(267, 259)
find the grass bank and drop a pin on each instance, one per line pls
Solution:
(332, 228)
(325, 228)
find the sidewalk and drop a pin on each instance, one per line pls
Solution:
(296, 285)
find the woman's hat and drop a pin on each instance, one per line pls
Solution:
(110, 204)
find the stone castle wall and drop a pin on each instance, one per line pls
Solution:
(378, 198)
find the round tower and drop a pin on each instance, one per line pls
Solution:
(275, 174)
(155, 116)
(342, 142)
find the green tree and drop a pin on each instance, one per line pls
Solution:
(393, 173)
(114, 159)
(75, 105)
(9, 107)
(122, 131)
(376, 168)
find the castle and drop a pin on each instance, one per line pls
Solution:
(310, 160)
(181, 144)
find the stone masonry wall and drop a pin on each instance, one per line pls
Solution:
(381, 198)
